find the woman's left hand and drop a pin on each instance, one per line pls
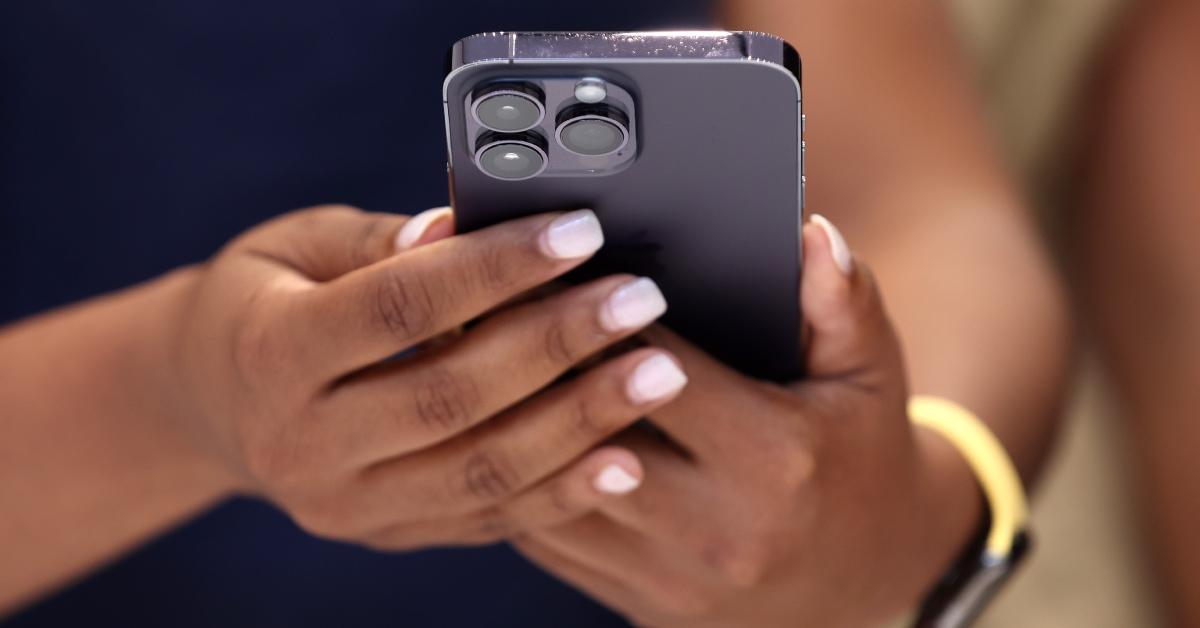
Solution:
(811, 504)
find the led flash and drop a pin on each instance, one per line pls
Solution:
(590, 90)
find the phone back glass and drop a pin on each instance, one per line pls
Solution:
(711, 206)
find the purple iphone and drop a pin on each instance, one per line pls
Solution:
(688, 146)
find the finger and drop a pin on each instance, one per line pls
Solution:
(378, 311)
(517, 449)
(426, 227)
(851, 337)
(669, 500)
(604, 475)
(850, 342)
(673, 506)
(722, 417)
(325, 242)
(410, 405)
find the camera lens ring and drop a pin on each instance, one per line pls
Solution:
(521, 92)
(528, 145)
(582, 113)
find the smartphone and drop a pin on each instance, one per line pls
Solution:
(688, 146)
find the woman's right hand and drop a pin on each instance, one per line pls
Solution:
(280, 369)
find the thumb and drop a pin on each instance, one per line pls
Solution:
(426, 227)
(850, 336)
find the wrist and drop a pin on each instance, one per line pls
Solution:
(150, 378)
(952, 501)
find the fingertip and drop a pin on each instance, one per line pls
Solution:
(426, 227)
(848, 328)
(634, 304)
(836, 248)
(655, 379)
(617, 471)
(573, 235)
(826, 289)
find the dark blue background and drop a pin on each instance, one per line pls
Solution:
(139, 136)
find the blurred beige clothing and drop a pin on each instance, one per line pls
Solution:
(1031, 57)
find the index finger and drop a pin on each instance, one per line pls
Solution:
(378, 311)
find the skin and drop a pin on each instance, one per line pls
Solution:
(260, 373)
(814, 504)
(769, 505)
(832, 478)
(1139, 268)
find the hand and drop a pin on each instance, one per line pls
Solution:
(807, 505)
(281, 372)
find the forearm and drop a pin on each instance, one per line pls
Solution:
(91, 462)
(901, 159)
(1141, 269)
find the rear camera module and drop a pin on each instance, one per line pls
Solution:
(592, 130)
(508, 107)
(511, 156)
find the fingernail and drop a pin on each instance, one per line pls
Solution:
(573, 235)
(837, 244)
(633, 305)
(615, 480)
(657, 377)
(428, 222)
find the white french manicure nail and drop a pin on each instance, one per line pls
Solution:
(615, 480)
(573, 235)
(837, 244)
(632, 305)
(416, 226)
(657, 377)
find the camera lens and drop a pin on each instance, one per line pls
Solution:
(511, 156)
(592, 130)
(508, 107)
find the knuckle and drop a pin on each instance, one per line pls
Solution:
(563, 501)
(557, 345)
(403, 305)
(795, 465)
(492, 270)
(443, 400)
(493, 524)
(741, 564)
(587, 418)
(489, 477)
